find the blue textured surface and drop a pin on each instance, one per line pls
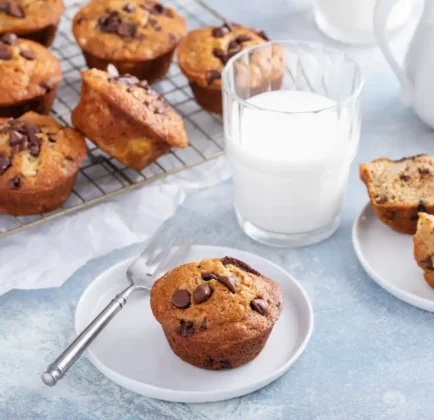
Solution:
(370, 356)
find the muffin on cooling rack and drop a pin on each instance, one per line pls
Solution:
(138, 36)
(29, 76)
(126, 118)
(39, 162)
(216, 314)
(204, 52)
(36, 20)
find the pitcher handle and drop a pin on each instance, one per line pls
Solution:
(381, 15)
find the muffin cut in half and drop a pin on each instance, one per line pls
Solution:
(36, 20)
(137, 36)
(39, 162)
(424, 246)
(126, 118)
(400, 189)
(218, 313)
(29, 76)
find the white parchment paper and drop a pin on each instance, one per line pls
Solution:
(47, 255)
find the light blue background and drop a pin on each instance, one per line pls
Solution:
(370, 357)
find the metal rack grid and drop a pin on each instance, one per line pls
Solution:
(102, 176)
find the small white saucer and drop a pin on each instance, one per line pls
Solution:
(132, 351)
(387, 256)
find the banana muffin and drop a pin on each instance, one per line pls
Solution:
(216, 314)
(138, 36)
(424, 246)
(126, 118)
(39, 161)
(29, 76)
(400, 189)
(36, 20)
(204, 52)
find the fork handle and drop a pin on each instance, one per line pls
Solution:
(60, 366)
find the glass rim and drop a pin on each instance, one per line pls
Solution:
(348, 99)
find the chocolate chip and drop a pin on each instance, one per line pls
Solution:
(15, 138)
(5, 52)
(129, 8)
(421, 208)
(221, 31)
(45, 86)
(229, 282)
(423, 171)
(263, 35)
(70, 158)
(181, 299)
(28, 54)
(204, 325)
(186, 329)
(221, 55)
(225, 364)
(259, 305)
(80, 19)
(112, 70)
(126, 29)
(213, 75)
(15, 183)
(202, 293)
(240, 264)
(34, 149)
(173, 38)
(382, 200)
(140, 37)
(158, 9)
(427, 263)
(243, 38)
(234, 45)
(10, 39)
(15, 10)
(155, 25)
(405, 178)
(208, 276)
(110, 23)
(5, 163)
(51, 138)
(208, 362)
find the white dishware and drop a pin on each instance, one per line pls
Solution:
(416, 76)
(387, 256)
(351, 21)
(134, 353)
(291, 147)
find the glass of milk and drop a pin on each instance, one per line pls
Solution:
(351, 21)
(291, 114)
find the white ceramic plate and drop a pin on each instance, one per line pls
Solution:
(387, 256)
(132, 351)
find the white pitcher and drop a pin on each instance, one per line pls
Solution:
(417, 79)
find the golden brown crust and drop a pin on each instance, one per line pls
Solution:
(412, 172)
(235, 333)
(131, 122)
(23, 79)
(37, 15)
(156, 30)
(424, 246)
(45, 175)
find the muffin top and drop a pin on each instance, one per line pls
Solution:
(27, 70)
(136, 99)
(133, 30)
(37, 153)
(29, 15)
(222, 299)
(204, 52)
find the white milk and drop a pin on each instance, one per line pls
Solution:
(290, 170)
(358, 15)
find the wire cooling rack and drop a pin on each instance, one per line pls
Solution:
(102, 176)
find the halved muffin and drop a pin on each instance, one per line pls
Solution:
(424, 246)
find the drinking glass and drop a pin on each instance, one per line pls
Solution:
(291, 114)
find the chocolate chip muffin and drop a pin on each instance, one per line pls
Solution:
(29, 76)
(424, 246)
(138, 36)
(216, 314)
(204, 52)
(126, 118)
(36, 20)
(39, 161)
(400, 189)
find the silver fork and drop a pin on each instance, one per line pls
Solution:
(141, 274)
